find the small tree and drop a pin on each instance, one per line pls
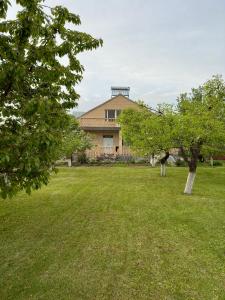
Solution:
(74, 140)
(196, 127)
(200, 124)
(39, 70)
(149, 133)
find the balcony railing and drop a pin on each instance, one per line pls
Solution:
(99, 151)
(98, 122)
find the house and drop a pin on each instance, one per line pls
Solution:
(101, 124)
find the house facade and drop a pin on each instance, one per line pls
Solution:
(101, 124)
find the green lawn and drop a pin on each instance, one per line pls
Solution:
(115, 233)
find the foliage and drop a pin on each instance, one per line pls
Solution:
(200, 122)
(180, 163)
(147, 132)
(217, 163)
(74, 140)
(199, 129)
(82, 158)
(196, 125)
(39, 70)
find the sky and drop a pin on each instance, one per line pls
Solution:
(158, 48)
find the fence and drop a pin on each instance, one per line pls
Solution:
(112, 152)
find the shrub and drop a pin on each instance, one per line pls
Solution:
(82, 158)
(180, 163)
(217, 163)
(123, 158)
(140, 160)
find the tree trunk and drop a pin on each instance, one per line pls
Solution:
(163, 170)
(69, 162)
(192, 163)
(152, 160)
(189, 183)
(163, 164)
(211, 161)
(191, 176)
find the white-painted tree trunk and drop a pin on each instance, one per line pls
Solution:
(190, 183)
(7, 182)
(152, 161)
(211, 161)
(69, 162)
(163, 170)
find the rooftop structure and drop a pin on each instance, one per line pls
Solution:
(119, 90)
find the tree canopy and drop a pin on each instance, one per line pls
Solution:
(74, 140)
(39, 70)
(149, 132)
(200, 123)
(195, 126)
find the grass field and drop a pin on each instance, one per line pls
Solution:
(115, 233)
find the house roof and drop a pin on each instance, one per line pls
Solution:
(107, 101)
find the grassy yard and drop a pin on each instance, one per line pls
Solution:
(115, 233)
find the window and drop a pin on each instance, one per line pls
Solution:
(112, 114)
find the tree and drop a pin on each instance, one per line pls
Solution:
(39, 70)
(200, 124)
(149, 133)
(74, 140)
(196, 126)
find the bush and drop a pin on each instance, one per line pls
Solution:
(180, 163)
(92, 161)
(123, 158)
(140, 160)
(82, 158)
(217, 163)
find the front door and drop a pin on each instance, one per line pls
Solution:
(108, 143)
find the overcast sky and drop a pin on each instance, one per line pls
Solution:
(158, 48)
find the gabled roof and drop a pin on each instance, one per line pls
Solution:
(107, 101)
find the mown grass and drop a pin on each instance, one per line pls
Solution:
(115, 233)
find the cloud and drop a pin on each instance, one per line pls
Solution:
(158, 48)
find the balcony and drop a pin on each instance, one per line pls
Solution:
(98, 123)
